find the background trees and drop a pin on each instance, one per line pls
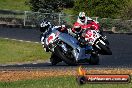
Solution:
(126, 12)
(100, 8)
(50, 5)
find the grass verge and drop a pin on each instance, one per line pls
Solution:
(58, 82)
(16, 51)
(14, 5)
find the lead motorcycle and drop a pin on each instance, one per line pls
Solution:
(99, 42)
(71, 50)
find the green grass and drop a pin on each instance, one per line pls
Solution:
(14, 5)
(15, 51)
(58, 82)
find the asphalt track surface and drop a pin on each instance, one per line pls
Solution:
(120, 44)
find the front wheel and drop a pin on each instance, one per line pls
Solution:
(105, 40)
(67, 59)
(105, 50)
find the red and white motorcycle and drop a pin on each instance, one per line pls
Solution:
(99, 43)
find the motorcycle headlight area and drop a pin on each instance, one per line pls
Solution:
(90, 41)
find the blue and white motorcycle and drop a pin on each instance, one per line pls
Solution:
(72, 51)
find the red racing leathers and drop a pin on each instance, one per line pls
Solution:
(89, 23)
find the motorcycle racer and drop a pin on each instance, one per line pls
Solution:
(46, 28)
(84, 22)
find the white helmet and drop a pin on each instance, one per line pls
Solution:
(45, 24)
(82, 16)
(63, 26)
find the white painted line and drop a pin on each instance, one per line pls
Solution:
(34, 63)
(21, 40)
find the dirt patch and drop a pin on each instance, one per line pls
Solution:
(110, 71)
(7, 76)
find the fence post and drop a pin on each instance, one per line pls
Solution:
(59, 18)
(97, 19)
(25, 15)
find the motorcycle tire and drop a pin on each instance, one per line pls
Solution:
(69, 61)
(54, 59)
(105, 40)
(105, 50)
(94, 59)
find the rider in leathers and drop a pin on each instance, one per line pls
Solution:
(81, 25)
(84, 22)
(46, 28)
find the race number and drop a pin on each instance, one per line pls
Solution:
(51, 38)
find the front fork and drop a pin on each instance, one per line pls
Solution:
(64, 47)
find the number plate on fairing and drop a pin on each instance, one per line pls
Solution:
(91, 36)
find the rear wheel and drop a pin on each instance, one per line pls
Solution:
(66, 57)
(54, 59)
(94, 59)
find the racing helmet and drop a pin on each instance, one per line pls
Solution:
(63, 26)
(82, 16)
(77, 29)
(44, 26)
